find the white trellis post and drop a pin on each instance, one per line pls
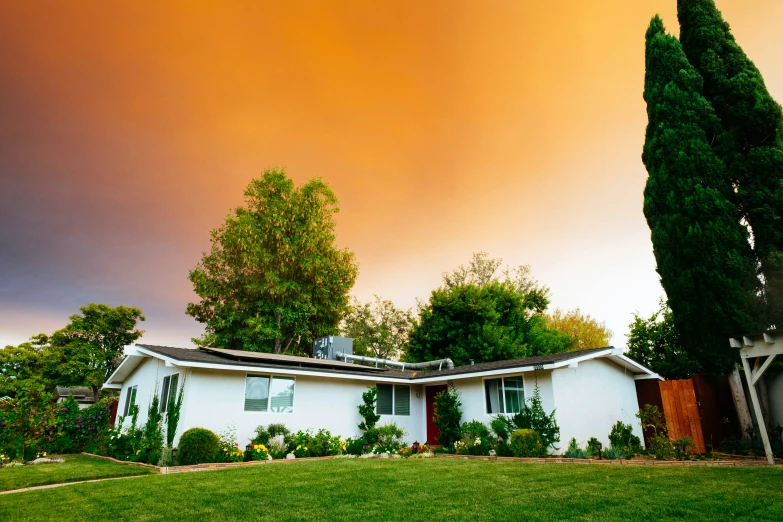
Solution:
(763, 347)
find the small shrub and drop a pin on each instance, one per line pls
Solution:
(369, 417)
(614, 453)
(197, 446)
(300, 444)
(475, 429)
(575, 452)
(151, 444)
(661, 447)
(501, 427)
(259, 452)
(355, 446)
(277, 447)
(448, 416)
(533, 417)
(527, 443)
(165, 458)
(261, 436)
(687, 445)
(276, 429)
(470, 445)
(592, 445)
(390, 437)
(228, 450)
(622, 437)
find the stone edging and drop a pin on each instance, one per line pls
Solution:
(555, 460)
(126, 462)
(202, 467)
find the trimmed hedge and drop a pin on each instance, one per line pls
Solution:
(526, 443)
(197, 446)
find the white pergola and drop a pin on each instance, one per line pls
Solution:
(762, 348)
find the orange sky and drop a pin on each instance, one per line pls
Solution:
(128, 132)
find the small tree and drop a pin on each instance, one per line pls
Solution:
(369, 417)
(152, 434)
(448, 416)
(533, 417)
(378, 329)
(172, 414)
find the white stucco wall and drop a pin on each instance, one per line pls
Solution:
(148, 376)
(591, 398)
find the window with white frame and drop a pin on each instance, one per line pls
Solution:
(269, 393)
(393, 399)
(130, 400)
(169, 391)
(504, 395)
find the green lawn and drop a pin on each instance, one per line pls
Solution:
(432, 489)
(74, 469)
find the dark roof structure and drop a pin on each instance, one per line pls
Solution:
(266, 360)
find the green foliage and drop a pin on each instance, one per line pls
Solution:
(502, 426)
(575, 452)
(278, 428)
(751, 141)
(369, 417)
(621, 437)
(78, 430)
(476, 315)
(151, 434)
(526, 443)
(125, 443)
(592, 446)
(614, 453)
(533, 417)
(88, 350)
(702, 252)
(27, 422)
(228, 446)
(259, 452)
(22, 366)
(652, 419)
(475, 429)
(448, 416)
(197, 446)
(274, 279)
(262, 436)
(378, 329)
(173, 411)
(390, 437)
(655, 343)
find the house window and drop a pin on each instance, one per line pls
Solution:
(130, 400)
(504, 395)
(393, 399)
(268, 393)
(169, 391)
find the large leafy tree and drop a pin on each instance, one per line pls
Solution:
(586, 331)
(655, 343)
(274, 279)
(23, 364)
(702, 252)
(88, 350)
(378, 329)
(751, 141)
(480, 316)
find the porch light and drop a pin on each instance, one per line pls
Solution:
(248, 450)
(174, 456)
(600, 447)
(678, 447)
(416, 447)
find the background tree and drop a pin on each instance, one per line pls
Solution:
(751, 141)
(476, 315)
(655, 343)
(274, 279)
(582, 328)
(702, 252)
(88, 350)
(378, 329)
(23, 364)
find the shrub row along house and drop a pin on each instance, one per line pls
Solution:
(589, 390)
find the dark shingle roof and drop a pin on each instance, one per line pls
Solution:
(212, 356)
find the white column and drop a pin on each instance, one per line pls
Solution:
(757, 410)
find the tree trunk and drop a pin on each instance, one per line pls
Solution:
(740, 402)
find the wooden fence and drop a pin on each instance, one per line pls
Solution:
(682, 412)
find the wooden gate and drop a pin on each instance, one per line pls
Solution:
(682, 411)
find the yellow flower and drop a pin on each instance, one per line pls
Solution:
(138, 451)
(305, 449)
(298, 447)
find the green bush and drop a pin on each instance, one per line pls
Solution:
(502, 427)
(197, 446)
(622, 437)
(575, 452)
(390, 437)
(262, 436)
(276, 429)
(475, 429)
(614, 453)
(369, 417)
(592, 446)
(527, 443)
(533, 417)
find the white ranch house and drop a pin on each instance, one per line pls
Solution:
(590, 390)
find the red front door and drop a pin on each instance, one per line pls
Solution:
(432, 429)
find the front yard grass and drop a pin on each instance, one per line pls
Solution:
(429, 489)
(74, 469)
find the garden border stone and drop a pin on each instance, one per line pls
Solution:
(556, 460)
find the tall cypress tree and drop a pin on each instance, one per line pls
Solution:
(704, 259)
(752, 142)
